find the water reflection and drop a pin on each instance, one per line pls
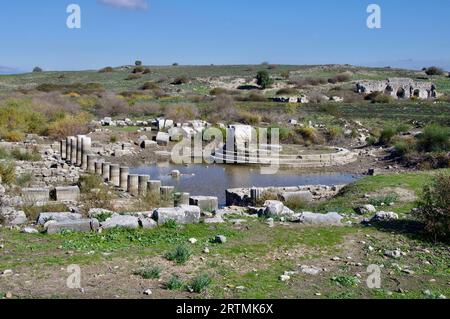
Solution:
(213, 180)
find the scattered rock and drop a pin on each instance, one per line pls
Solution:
(81, 225)
(148, 292)
(330, 219)
(30, 230)
(384, 216)
(366, 209)
(285, 278)
(393, 253)
(220, 239)
(57, 217)
(193, 240)
(184, 214)
(311, 270)
(147, 223)
(7, 272)
(123, 221)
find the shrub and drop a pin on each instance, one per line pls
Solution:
(256, 97)
(404, 147)
(14, 136)
(433, 70)
(371, 140)
(182, 112)
(180, 255)
(287, 91)
(296, 204)
(386, 136)
(434, 207)
(138, 69)
(174, 283)
(249, 118)
(133, 77)
(200, 283)
(8, 173)
(80, 88)
(340, 78)
(335, 133)
(69, 125)
(378, 97)
(434, 138)
(263, 79)
(107, 69)
(180, 80)
(33, 156)
(403, 128)
(150, 86)
(222, 108)
(149, 272)
(310, 135)
(171, 224)
(138, 63)
(286, 75)
(146, 71)
(37, 69)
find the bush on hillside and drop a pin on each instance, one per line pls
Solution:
(434, 138)
(434, 207)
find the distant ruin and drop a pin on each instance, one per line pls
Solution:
(399, 88)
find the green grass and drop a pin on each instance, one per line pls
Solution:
(180, 254)
(149, 272)
(200, 283)
(174, 283)
(353, 194)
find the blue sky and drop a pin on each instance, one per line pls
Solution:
(414, 33)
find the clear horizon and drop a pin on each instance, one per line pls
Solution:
(118, 32)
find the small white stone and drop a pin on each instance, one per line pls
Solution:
(193, 240)
(284, 278)
(7, 272)
(148, 292)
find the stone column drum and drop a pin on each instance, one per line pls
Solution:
(133, 185)
(124, 172)
(154, 187)
(98, 167)
(68, 148)
(86, 143)
(114, 174)
(73, 150)
(90, 163)
(143, 180)
(62, 149)
(79, 147)
(255, 194)
(105, 171)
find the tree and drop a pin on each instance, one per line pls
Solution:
(138, 63)
(263, 79)
(433, 70)
(434, 207)
(37, 69)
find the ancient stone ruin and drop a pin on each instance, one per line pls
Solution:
(399, 88)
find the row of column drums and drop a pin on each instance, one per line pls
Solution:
(76, 150)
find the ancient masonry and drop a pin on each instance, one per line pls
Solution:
(399, 88)
(240, 150)
(76, 151)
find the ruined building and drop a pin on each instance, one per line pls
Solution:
(400, 88)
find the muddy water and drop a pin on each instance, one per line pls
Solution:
(215, 179)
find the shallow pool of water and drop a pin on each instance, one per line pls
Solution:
(213, 180)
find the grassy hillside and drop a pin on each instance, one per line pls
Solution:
(116, 80)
